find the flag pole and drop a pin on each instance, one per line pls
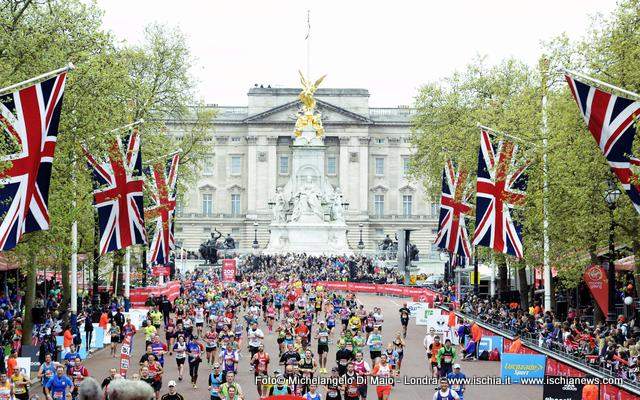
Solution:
(308, 44)
(495, 133)
(127, 278)
(161, 157)
(544, 66)
(636, 96)
(42, 77)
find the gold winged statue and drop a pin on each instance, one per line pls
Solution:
(309, 115)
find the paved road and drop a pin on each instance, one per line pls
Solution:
(414, 365)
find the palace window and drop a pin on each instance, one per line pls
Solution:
(207, 204)
(207, 168)
(405, 166)
(284, 165)
(235, 204)
(378, 204)
(236, 165)
(407, 205)
(379, 165)
(331, 165)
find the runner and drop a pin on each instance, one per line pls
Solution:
(216, 378)
(444, 392)
(456, 381)
(383, 371)
(56, 388)
(180, 347)
(194, 353)
(323, 346)
(445, 358)
(405, 313)
(260, 362)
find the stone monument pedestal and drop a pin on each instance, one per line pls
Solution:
(313, 238)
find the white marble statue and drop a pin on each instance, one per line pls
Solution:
(307, 201)
(280, 207)
(337, 211)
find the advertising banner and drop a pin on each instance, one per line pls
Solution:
(423, 314)
(125, 355)
(595, 276)
(440, 324)
(160, 270)
(517, 367)
(561, 390)
(489, 343)
(229, 270)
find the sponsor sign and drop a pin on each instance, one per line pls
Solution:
(125, 355)
(595, 276)
(161, 270)
(516, 367)
(489, 343)
(561, 391)
(440, 325)
(229, 270)
(423, 314)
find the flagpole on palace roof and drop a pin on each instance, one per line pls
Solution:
(308, 39)
(599, 82)
(42, 77)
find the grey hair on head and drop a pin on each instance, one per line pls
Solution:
(89, 389)
(124, 389)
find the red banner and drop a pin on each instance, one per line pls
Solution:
(229, 270)
(595, 276)
(161, 270)
(416, 293)
(125, 355)
(139, 295)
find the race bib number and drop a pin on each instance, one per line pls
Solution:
(447, 359)
(343, 362)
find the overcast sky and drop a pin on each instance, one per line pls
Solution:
(387, 47)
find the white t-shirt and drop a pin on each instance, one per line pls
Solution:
(255, 337)
(445, 395)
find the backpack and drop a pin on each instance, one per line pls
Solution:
(494, 355)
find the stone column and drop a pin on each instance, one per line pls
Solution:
(251, 174)
(343, 172)
(272, 146)
(363, 159)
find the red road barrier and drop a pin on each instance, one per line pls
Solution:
(416, 293)
(139, 296)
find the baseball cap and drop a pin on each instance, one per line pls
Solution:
(456, 366)
(216, 365)
(172, 383)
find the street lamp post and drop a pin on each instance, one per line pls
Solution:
(360, 243)
(611, 196)
(255, 235)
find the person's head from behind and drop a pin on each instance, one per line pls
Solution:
(124, 389)
(89, 389)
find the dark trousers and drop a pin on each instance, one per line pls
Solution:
(194, 365)
(88, 335)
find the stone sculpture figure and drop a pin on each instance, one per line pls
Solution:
(280, 206)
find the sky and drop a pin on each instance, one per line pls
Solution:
(390, 48)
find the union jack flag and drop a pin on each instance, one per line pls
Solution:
(30, 117)
(610, 120)
(117, 197)
(452, 232)
(501, 186)
(163, 178)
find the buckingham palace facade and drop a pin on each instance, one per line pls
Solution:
(367, 156)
